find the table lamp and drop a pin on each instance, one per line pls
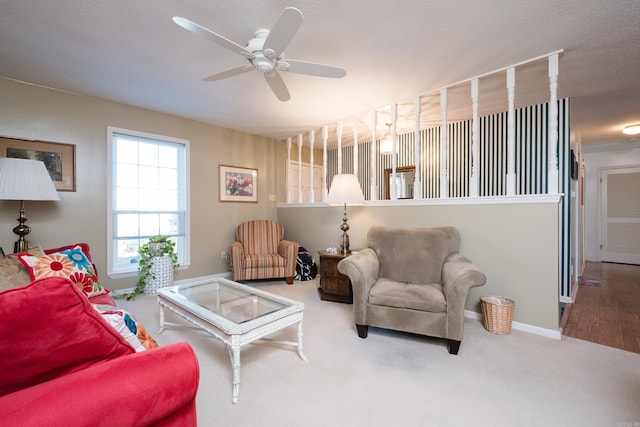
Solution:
(24, 179)
(345, 190)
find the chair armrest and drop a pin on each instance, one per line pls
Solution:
(363, 269)
(459, 275)
(134, 390)
(236, 247)
(289, 251)
(236, 256)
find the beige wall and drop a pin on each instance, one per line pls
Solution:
(31, 112)
(515, 245)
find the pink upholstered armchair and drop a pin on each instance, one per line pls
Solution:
(260, 252)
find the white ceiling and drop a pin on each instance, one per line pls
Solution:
(132, 52)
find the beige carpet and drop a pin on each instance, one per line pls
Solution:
(397, 379)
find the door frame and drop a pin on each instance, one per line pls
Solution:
(602, 199)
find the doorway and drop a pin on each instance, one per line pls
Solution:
(620, 218)
(302, 187)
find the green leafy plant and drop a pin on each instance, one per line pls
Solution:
(157, 246)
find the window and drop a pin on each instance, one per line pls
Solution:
(148, 195)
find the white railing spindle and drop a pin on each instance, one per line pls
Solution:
(300, 168)
(511, 132)
(444, 182)
(553, 185)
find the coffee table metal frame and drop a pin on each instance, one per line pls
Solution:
(233, 335)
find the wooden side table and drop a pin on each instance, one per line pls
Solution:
(334, 286)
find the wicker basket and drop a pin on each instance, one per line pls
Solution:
(497, 314)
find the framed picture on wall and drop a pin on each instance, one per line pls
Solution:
(574, 166)
(237, 184)
(58, 158)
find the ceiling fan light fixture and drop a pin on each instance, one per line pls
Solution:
(386, 145)
(631, 129)
(263, 63)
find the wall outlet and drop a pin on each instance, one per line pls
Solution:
(223, 255)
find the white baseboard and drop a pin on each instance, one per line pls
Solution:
(211, 276)
(120, 292)
(549, 333)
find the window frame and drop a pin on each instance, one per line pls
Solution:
(112, 272)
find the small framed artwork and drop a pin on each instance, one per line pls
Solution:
(59, 159)
(238, 184)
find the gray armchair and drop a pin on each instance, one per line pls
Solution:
(412, 280)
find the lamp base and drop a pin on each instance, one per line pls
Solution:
(20, 245)
(344, 244)
(22, 229)
(344, 239)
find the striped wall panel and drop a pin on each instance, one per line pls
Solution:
(531, 154)
(430, 149)
(564, 174)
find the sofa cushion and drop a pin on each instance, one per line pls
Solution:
(263, 260)
(415, 296)
(50, 329)
(71, 263)
(13, 273)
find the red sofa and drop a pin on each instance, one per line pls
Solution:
(62, 364)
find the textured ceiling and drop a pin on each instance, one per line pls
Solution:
(132, 52)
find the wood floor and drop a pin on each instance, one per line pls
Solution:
(607, 306)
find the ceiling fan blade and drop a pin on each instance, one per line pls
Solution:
(283, 31)
(313, 69)
(277, 85)
(216, 38)
(229, 73)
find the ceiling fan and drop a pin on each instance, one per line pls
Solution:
(265, 52)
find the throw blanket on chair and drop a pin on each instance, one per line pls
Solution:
(306, 268)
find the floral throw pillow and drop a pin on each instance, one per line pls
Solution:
(72, 264)
(130, 329)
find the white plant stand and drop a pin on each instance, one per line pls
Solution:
(161, 274)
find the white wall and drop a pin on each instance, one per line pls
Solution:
(598, 158)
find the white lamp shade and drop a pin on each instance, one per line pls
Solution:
(24, 179)
(345, 190)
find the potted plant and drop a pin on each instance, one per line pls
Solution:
(158, 260)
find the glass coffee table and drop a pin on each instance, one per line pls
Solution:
(234, 313)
